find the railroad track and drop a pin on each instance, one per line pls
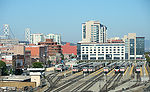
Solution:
(104, 88)
(148, 69)
(71, 79)
(68, 84)
(86, 82)
(91, 84)
(52, 83)
(115, 84)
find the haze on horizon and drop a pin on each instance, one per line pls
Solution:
(66, 16)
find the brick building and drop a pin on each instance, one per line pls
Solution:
(68, 50)
(38, 53)
(54, 50)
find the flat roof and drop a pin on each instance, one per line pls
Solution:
(15, 78)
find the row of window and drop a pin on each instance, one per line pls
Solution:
(102, 47)
(102, 52)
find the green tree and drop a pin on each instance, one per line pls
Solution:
(3, 68)
(49, 62)
(37, 65)
(62, 57)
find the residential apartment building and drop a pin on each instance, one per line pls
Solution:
(101, 51)
(94, 31)
(35, 38)
(55, 37)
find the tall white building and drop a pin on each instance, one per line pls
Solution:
(94, 31)
(27, 34)
(38, 37)
(55, 37)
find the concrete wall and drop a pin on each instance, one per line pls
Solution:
(17, 84)
(36, 79)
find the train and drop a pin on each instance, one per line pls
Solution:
(123, 67)
(118, 66)
(78, 67)
(138, 66)
(94, 66)
(109, 67)
(60, 67)
(85, 68)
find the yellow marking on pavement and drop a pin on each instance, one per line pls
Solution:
(110, 71)
(79, 73)
(126, 71)
(148, 67)
(113, 73)
(131, 70)
(99, 72)
(146, 70)
(64, 73)
(96, 71)
(141, 72)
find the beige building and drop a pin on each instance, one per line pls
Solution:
(93, 31)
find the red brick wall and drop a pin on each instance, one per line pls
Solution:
(34, 51)
(67, 49)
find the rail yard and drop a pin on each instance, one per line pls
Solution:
(100, 77)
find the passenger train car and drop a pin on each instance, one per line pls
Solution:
(109, 67)
(60, 67)
(94, 66)
(123, 67)
(78, 67)
(118, 66)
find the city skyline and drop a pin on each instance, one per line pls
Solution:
(66, 17)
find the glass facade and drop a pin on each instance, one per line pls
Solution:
(132, 42)
(140, 45)
(79, 51)
(84, 32)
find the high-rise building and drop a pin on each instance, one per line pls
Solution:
(94, 31)
(35, 38)
(134, 46)
(55, 37)
(27, 34)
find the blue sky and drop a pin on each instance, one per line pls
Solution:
(65, 16)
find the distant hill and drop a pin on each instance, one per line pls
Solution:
(72, 44)
(147, 45)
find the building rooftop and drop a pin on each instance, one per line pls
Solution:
(15, 78)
